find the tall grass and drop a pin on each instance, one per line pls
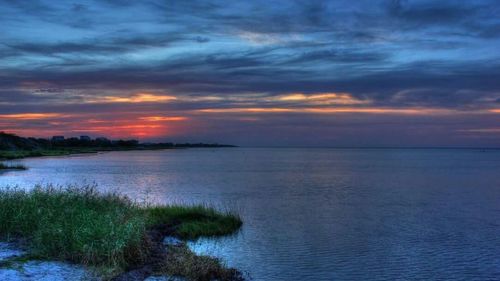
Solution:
(106, 230)
(195, 221)
(75, 224)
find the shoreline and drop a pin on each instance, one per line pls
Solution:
(109, 235)
(15, 147)
(54, 225)
(6, 155)
(162, 252)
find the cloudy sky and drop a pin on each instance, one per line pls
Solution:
(283, 73)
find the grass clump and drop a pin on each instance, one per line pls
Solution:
(74, 224)
(196, 221)
(181, 261)
(12, 167)
(107, 231)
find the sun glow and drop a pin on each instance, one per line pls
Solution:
(115, 125)
(124, 129)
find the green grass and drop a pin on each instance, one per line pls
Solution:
(12, 167)
(196, 221)
(102, 230)
(18, 154)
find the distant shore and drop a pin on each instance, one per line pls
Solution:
(16, 147)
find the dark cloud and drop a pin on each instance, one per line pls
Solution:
(201, 39)
(79, 8)
(50, 49)
(431, 12)
(423, 84)
(97, 46)
(340, 56)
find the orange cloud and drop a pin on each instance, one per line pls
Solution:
(126, 125)
(322, 98)
(115, 125)
(245, 110)
(163, 118)
(410, 111)
(137, 98)
(31, 116)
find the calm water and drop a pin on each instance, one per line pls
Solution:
(320, 214)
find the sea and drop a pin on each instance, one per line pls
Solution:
(316, 213)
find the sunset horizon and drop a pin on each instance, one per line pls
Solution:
(395, 73)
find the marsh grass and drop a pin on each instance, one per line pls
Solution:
(18, 154)
(194, 221)
(81, 225)
(75, 224)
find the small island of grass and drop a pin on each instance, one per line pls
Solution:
(112, 234)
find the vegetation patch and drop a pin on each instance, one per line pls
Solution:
(194, 222)
(180, 261)
(18, 154)
(106, 231)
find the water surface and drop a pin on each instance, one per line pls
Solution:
(319, 214)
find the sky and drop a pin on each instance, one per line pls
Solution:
(364, 73)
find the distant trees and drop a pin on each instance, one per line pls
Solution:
(13, 142)
(99, 142)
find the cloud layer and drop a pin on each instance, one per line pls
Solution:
(328, 73)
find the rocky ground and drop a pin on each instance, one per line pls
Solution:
(14, 268)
